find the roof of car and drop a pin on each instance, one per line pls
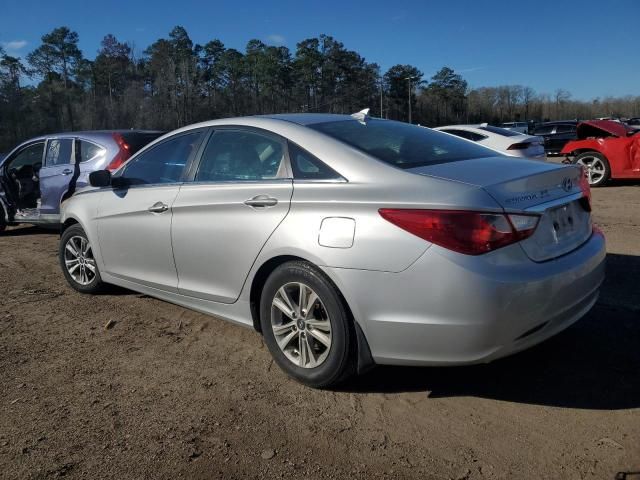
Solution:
(308, 118)
(89, 133)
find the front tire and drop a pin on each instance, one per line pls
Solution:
(306, 325)
(77, 261)
(596, 166)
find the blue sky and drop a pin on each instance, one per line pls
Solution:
(588, 47)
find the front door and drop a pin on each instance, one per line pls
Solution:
(55, 174)
(240, 193)
(19, 177)
(134, 220)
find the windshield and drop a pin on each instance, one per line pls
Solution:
(401, 144)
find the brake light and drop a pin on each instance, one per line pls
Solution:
(519, 146)
(123, 153)
(471, 233)
(584, 186)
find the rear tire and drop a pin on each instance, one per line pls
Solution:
(597, 167)
(306, 325)
(3, 222)
(77, 261)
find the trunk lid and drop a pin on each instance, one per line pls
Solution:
(601, 128)
(550, 190)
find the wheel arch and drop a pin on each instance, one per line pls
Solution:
(579, 151)
(67, 223)
(363, 353)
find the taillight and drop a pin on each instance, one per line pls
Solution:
(584, 186)
(519, 146)
(472, 233)
(122, 155)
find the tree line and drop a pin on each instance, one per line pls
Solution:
(175, 82)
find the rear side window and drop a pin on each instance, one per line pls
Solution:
(234, 155)
(543, 130)
(89, 150)
(499, 131)
(58, 152)
(565, 128)
(307, 167)
(401, 144)
(476, 137)
(165, 162)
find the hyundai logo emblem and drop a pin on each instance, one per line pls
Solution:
(567, 184)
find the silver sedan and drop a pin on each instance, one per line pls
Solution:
(347, 241)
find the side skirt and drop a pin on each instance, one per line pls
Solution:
(239, 312)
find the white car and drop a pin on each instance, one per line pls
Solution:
(502, 140)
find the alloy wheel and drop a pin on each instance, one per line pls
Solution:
(79, 261)
(595, 168)
(301, 325)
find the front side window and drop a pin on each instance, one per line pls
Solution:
(233, 155)
(165, 162)
(401, 144)
(58, 152)
(31, 155)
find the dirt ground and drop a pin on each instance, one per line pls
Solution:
(169, 393)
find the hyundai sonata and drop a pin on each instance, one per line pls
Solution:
(347, 241)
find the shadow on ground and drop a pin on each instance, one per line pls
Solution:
(28, 230)
(594, 364)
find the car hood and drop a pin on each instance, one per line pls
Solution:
(602, 128)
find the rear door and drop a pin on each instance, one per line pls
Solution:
(241, 191)
(56, 173)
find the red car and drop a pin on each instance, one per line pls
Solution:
(606, 149)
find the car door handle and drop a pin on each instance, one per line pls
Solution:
(158, 207)
(261, 201)
(67, 171)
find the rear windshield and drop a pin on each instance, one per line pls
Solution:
(137, 140)
(499, 131)
(401, 144)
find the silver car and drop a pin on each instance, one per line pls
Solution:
(347, 241)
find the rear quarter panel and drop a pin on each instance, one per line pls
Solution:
(377, 244)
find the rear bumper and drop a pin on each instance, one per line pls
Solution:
(450, 309)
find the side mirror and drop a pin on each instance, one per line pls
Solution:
(100, 178)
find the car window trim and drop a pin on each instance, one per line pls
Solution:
(288, 172)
